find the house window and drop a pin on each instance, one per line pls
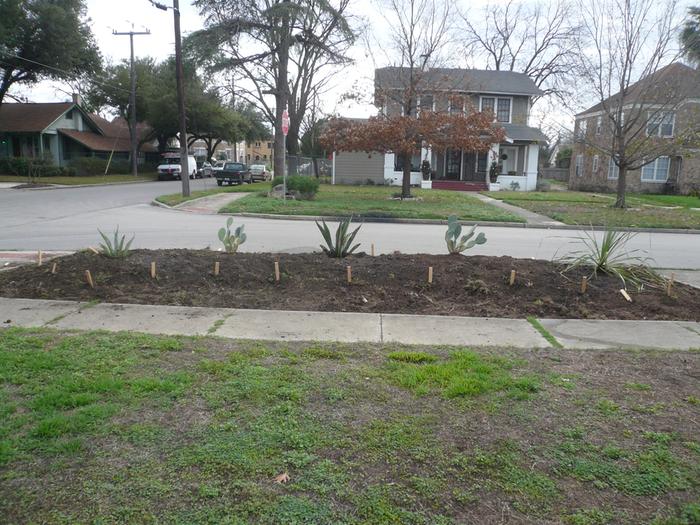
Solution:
(503, 111)
(425, 103)
(69, 115)
(598, 125)
(499, 106)
(657, 171)
(415, 162)
(582, 127)
(613, 170)
(269, 145)
(488, 104)
(594, 168)
(264, 157)
(456, 105)
(660, 124)
(579, 165)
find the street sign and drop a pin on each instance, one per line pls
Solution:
(285, 122)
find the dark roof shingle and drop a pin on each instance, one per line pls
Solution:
(465, 80)
(30, 118)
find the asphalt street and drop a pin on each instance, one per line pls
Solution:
(68, 219)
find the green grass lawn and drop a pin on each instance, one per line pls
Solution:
(644, 211)
(95, 179)
(176, 198)
(375, 201)
(130, 428)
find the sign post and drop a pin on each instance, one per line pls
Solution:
(285, 130)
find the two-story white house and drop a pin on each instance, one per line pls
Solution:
(508, 95)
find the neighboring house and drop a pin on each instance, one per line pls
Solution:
(509, 95)
(61, 132)
(669, 103)
(223, 150)
(259, 152)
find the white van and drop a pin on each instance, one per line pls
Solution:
(169, 167)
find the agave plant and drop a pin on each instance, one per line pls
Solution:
(610, 256)
(116, 247)
(455, 244)
(230, 241)
(341, 245)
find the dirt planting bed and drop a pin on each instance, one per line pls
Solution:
(462, 285)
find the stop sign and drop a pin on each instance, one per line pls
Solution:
(285, 122)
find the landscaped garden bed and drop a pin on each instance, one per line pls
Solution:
(131, 428)
(462, 285)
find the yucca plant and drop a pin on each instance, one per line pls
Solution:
(455, 244)
(117, 247)
(610, 256)
(230, 241)
(341, 245)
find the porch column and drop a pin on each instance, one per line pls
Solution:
(531, 164)
(494, 154)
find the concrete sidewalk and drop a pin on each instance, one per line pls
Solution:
(347, 327)
(531, 218)
(210, 204)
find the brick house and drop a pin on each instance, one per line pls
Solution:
(667, 105)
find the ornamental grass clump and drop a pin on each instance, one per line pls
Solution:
(610, 256)
(116, 248)
(230, 241)
(340, 245)
(455, 244)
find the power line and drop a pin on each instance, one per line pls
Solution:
(66, 73)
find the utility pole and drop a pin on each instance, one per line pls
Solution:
(132, 100)
(184, 170)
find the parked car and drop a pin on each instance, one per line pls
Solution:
(218, 165)
(233, 173)
(169, 168)
(204, 169)
(259, 172)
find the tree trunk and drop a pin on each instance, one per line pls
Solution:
(293, 141)
(406, 182)
(281, 97)
(621, 187)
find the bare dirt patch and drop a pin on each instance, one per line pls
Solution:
(470, 286)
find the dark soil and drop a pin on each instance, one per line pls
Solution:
(462, 285)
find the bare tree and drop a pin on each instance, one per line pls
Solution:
(280, 53)
(625, 53)
(419, 33)
(536, 39)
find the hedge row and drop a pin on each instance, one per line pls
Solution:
(79, 167)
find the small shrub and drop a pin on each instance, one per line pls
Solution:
(341, 245)
(306, 187)
(455, 244)
(412, 357)
(232, 242)
(116, 248)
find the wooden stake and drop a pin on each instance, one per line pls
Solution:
(53, 269)
(430, 275)
(349, 274)
(372, 250)
(625, 294)
(669, 285)
(512, 277)
(277, 271)
(153, 270)
(93, 250)
(39, 258)
(88, 278)
(584, 284)
(216, 268)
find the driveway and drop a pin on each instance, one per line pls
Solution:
(67, 219)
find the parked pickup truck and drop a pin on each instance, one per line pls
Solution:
(233, 173)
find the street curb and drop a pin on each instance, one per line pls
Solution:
(390, 220)
(71, 186)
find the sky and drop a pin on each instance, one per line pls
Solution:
(123, 15)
